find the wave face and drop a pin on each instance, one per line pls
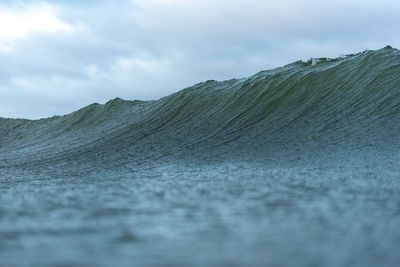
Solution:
(353, 101)
(312, 145)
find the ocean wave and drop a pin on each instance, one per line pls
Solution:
(350, 101)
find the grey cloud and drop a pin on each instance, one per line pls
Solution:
(147, 49)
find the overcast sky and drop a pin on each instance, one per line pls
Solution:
(58, 56)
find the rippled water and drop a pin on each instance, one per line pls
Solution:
(296, 166)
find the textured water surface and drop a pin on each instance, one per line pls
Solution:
(296, 166)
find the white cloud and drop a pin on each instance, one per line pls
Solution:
(36, 18)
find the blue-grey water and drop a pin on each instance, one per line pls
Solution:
(295, 166)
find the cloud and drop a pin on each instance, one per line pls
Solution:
(58, 56)
(18, 24)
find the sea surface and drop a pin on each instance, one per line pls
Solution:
(295, 166)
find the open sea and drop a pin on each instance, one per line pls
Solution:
(295, 166)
